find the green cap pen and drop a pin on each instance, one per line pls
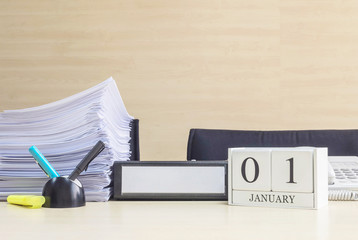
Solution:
(43, 163)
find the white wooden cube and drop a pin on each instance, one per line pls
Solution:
(292, 171)
(253, 168)
(294, 177)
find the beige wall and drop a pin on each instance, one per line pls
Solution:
(235, 64)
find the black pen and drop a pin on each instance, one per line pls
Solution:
(97, 149)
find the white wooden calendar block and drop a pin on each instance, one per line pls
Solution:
(278, 199)
(292, 171)
(294, 177)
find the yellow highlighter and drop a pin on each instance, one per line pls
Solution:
(30, 201)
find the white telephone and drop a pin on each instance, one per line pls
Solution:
(343, 178)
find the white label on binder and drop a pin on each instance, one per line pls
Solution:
(158, 179)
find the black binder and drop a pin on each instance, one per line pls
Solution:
(133, 145)
(134, 142)
(170, 180)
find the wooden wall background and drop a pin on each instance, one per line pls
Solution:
(233, 64)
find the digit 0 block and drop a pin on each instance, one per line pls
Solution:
(278, 177)
(255, 169)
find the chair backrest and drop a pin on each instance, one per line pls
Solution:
(209, 144)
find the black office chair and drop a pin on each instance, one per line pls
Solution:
(209, 144)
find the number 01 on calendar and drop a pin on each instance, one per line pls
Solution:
(278, 177)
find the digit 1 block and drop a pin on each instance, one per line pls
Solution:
(292, 171)
(252, 168)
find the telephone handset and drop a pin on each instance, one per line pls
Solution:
(343, 178)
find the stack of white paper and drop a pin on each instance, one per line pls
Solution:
(64, 131)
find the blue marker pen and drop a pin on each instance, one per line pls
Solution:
(43, 163)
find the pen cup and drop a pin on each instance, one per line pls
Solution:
(61, 192)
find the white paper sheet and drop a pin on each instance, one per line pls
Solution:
(64, 131)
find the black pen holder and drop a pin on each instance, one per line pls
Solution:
(61, 192)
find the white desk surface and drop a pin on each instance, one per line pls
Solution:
(125, 220)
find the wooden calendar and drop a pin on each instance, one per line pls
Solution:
(278, 177)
